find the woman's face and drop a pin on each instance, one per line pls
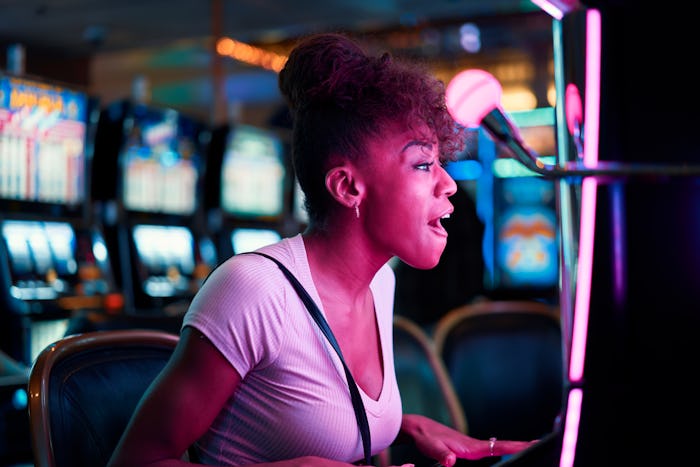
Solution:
(406, 197)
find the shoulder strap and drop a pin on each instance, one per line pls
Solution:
(316, 314)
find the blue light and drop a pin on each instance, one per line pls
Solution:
(169, 158)
(470, 37)
(464, 170)
(19, 399)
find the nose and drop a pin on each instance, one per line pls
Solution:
(446, 184)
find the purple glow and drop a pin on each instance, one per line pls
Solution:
(620, 282)
(472, 94)
(573, 418)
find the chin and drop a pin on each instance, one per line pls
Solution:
(423, 263)
(425, 257)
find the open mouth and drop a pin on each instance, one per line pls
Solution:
(437, 222)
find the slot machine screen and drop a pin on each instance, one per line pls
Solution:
(62, 243)
(253, 174)
(524, 228)
(161, 163)
(43, 136)
(248, 239)
(42, 258)
(165, 258)
(527, 248)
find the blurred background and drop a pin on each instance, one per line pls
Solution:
(174, 119)
(109, 47)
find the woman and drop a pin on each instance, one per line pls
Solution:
(253, 381)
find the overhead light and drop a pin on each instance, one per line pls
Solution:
(250, 54)
(470, 37)
(557, 8)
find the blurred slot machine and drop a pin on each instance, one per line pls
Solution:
(152, 164)
(54, 260)
(248, 194)
(521, 243)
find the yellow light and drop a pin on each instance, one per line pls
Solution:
(250, 54)
(551, 94)
(518, 98)
(224, 46)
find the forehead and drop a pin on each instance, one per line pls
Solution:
(400, 134)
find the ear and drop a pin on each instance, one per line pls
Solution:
(344, 185)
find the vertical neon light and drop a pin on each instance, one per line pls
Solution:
(586, 239)
(588, 195)
(573, 417)
(565, 204)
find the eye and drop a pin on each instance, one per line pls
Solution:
(425, 166)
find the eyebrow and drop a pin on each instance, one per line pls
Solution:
(424, 144)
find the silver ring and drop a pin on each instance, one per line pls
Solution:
(492, 444)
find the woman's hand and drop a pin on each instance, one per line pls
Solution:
(315, 461)
(446, 445)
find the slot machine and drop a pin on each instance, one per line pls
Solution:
(149, 195)
(521, 238)
(53, 257)
(629, 181)
(249, 189)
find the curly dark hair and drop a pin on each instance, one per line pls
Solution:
(340, 96)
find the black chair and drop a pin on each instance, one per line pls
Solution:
(84, 388)
(505, 360)
(424, 385)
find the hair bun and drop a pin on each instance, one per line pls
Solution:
(322, 68)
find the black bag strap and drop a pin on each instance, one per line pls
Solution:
(316, 314)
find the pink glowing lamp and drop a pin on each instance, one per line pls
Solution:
(471, 95)
(473, 98)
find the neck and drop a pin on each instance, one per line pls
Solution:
(341, 267)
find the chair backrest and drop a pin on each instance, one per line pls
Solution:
(84, 388)
(424, 385)
(505, 361)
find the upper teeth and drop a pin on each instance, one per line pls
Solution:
(446, 216)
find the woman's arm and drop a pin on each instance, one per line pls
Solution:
(446, 445)
(181, 404)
